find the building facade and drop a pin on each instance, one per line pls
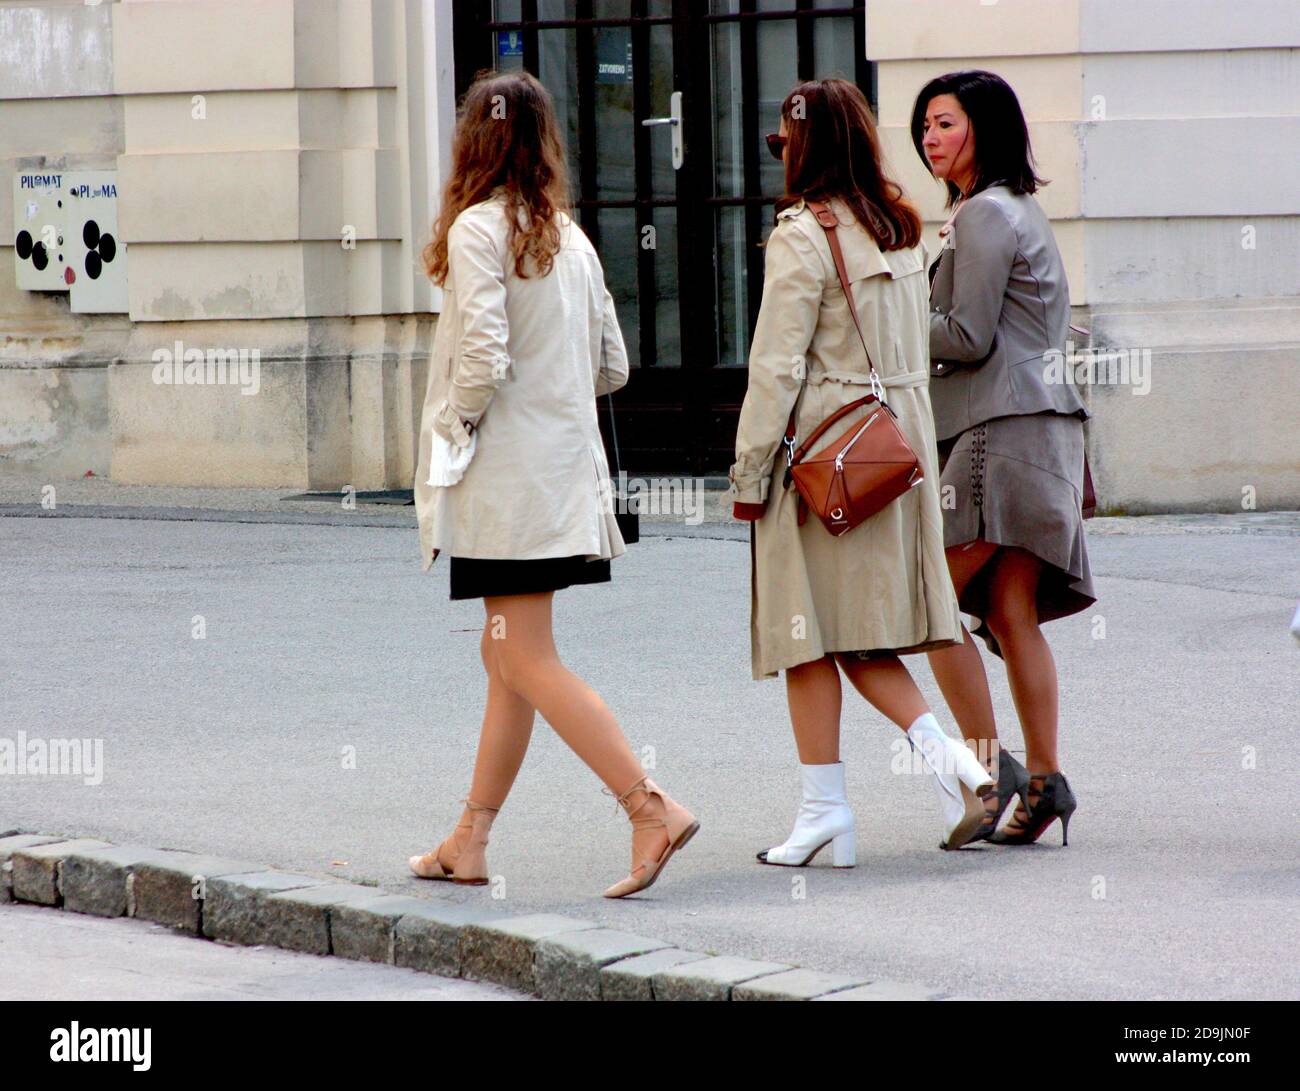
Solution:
(210, 251)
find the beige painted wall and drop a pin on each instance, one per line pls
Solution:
(275, 190)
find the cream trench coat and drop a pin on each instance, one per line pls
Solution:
(522, 360)
(883, 585)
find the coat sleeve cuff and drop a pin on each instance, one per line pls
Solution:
(747, 512)
(749, 487)
(449, 426)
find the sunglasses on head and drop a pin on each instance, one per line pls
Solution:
(776, 144)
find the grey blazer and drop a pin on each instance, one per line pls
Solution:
(999, 301)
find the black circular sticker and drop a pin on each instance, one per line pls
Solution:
(101, 248)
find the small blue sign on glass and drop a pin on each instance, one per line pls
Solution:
(614, 55)
(510, 43)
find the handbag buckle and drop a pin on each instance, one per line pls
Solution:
(789, 449)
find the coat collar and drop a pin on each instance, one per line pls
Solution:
(862, 255)
(793, 211)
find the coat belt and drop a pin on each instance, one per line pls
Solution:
(908, 378)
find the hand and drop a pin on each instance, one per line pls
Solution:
(452, 427)
(747, 512)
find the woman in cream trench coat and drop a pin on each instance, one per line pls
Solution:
(527, 340)
(538, 482)
(821, 603)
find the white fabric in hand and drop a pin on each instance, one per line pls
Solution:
(447, 461)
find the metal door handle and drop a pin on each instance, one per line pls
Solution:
(674, 119)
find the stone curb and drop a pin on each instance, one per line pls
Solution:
(550, 956)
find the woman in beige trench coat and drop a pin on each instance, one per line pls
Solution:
(821, 604)
(511, 479)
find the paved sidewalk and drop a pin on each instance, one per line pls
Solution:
(327, 722)
(50, 955)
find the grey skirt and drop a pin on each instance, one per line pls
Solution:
(1018, 482)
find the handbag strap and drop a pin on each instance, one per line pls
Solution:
(843, 411)
(613, 434)
(829, 223)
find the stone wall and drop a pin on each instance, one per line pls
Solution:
(276, 183)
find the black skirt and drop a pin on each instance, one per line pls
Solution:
(472, 578)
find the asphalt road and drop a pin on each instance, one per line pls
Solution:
(327, 722)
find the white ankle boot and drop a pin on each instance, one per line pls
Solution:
(960, 779)
(824, 818)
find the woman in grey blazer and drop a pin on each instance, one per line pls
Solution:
(1010, 436)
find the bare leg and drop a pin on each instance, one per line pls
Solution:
(812, 690)
(1031, 670)
(813, 693)
(529, 666)
(503, 740)
(888, 685)
(959, 670)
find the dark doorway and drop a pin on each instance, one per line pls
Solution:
(681, 244)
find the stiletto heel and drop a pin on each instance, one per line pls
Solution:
(465, 864)
(844, 850)
(1054, 800)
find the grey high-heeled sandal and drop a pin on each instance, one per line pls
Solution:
(1012, 780)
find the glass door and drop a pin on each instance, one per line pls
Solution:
(679, 229)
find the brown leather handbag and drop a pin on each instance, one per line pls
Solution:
(870, 464)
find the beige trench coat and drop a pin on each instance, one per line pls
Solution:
(522, 360)
(883, 585)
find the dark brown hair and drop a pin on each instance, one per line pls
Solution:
(1002, 151)
(506, 135)
(833, 151)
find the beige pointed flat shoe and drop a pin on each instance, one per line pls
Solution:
(677, 820)
(465, 864)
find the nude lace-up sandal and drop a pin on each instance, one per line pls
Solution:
(458, 863)
(677, 820)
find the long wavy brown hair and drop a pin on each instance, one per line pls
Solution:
(833, 150)
(506, 135)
